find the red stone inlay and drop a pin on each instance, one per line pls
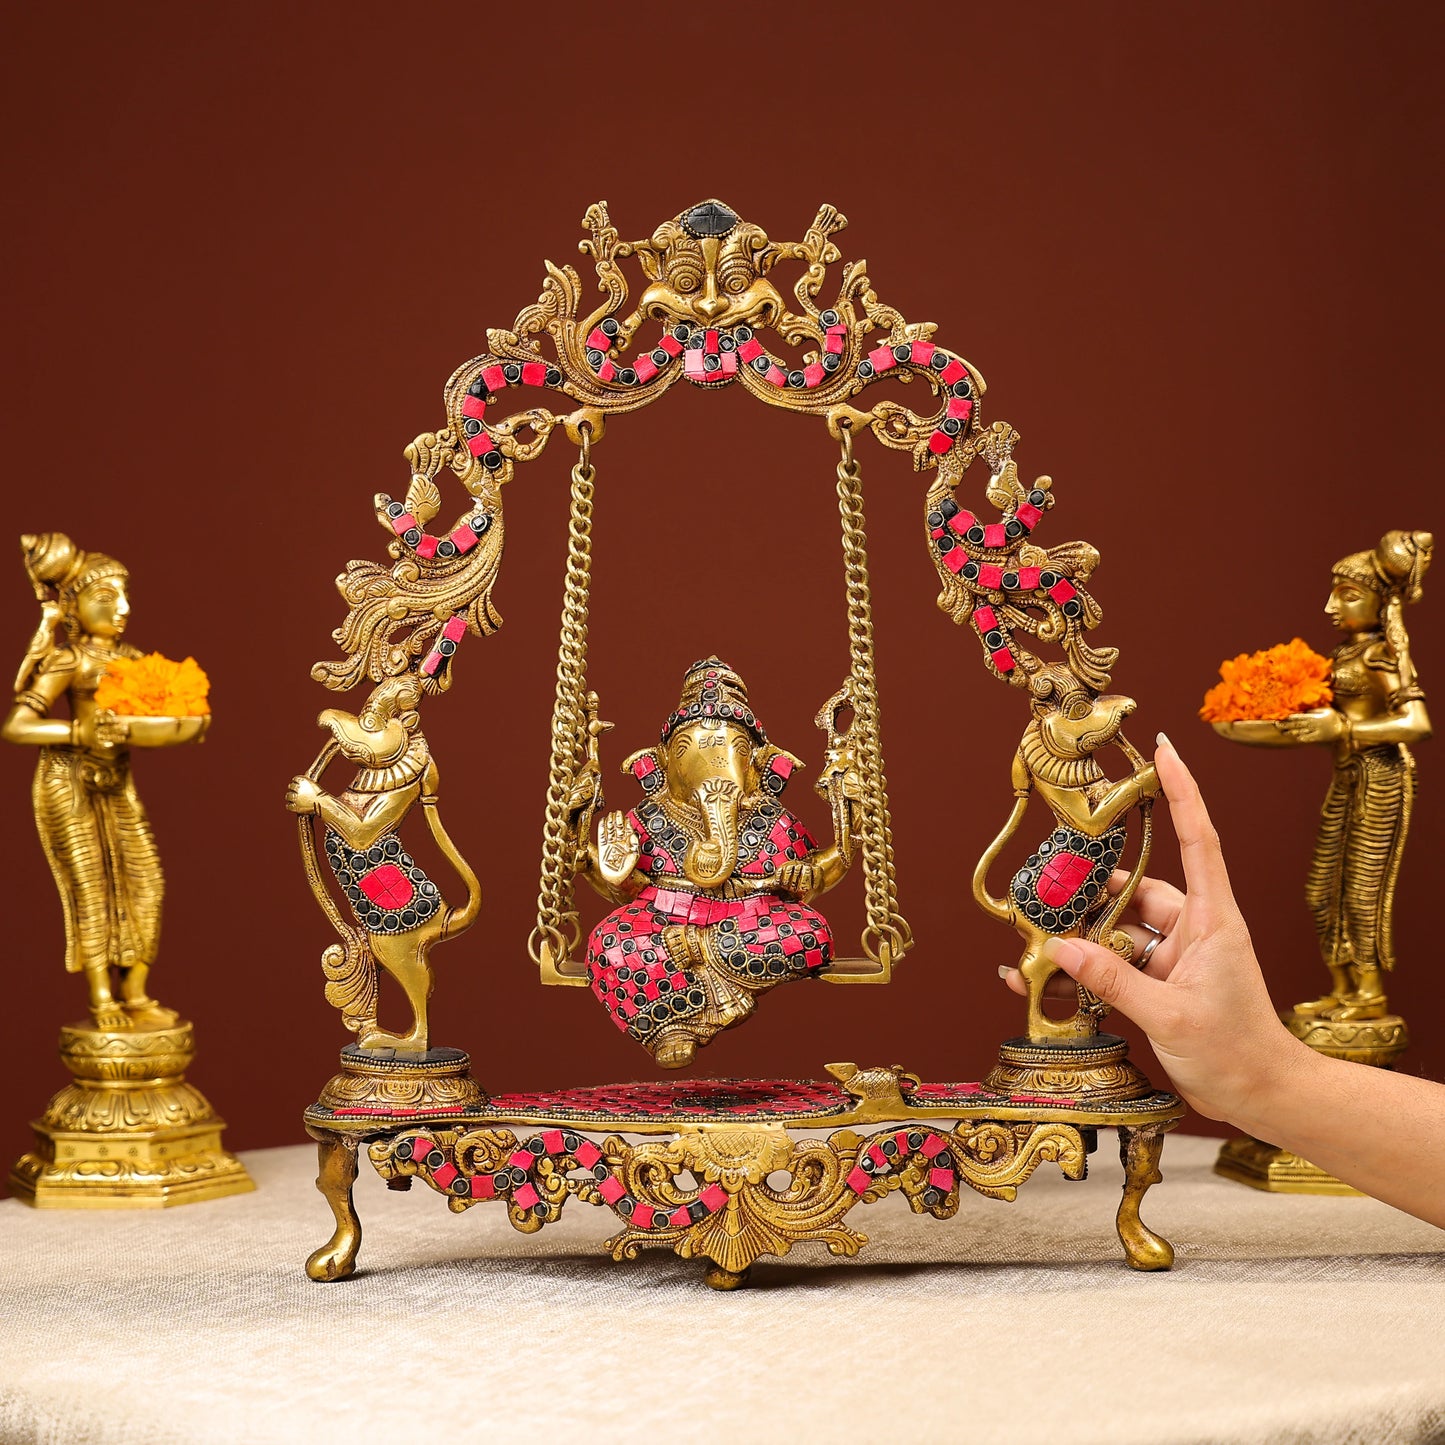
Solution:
(1062, 877)
(387, 886)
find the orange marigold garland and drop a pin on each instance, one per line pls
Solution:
(154, 686)
(1290, 677)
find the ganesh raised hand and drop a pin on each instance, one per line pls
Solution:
(618, 849)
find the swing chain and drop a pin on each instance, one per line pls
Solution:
(887, 936)
(557, 925)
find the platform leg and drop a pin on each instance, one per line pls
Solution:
(336, 1173)
(719, 1278)
(1139, 1150)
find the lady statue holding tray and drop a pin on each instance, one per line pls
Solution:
(1378, 712)
(92, 826)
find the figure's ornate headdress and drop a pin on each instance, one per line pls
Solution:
(711, 689)
(59, 572)
(1396, 568)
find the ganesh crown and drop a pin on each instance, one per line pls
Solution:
(710, 688)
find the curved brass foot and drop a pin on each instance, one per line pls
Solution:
(1139, 1151)
(717, 1277)
(336, 1173)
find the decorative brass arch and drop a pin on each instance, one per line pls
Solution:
(710, 297)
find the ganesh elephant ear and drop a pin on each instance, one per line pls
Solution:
(646, 767)
(775, 766)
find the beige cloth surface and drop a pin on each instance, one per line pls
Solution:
(1284, 1319)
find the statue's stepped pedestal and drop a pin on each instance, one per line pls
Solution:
(129, 1132)
(1377, 1042)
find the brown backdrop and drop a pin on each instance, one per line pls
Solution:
(1194, 253)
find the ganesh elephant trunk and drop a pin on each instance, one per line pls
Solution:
(710, 861)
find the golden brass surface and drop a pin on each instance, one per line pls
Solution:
(129, 1132)
(1097, 1072)
(777, 1190)
(1072, 718)
(1377, 714)
(1377, 1041)
(709, 311)
(395, 774)
(1275, 1170)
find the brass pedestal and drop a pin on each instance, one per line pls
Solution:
(1094, 1070)
(1377, 1042)
(129, 1132)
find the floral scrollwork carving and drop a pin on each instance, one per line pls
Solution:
(728, 1193)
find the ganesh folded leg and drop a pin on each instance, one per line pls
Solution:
(655, 993)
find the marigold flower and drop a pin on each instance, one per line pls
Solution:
(154, 686)
(1290, 677)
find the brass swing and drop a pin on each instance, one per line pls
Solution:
(855, 783)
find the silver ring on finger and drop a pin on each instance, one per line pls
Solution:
(1148, 951)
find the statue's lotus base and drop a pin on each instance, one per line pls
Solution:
(1087, 1071)
(129, 1132)
(1377, 1042)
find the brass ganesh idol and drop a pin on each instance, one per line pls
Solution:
(129, 1132)
(713, 877)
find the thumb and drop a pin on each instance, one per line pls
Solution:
(1105, 975)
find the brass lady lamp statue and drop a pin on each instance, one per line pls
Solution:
(1377, 714)
(129, 1131)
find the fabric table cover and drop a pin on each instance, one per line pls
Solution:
(1285, 1319)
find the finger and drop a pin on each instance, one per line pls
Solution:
(1157, 903)
(1109, 978)
(1204, 872)
(1161, 961)
(1057, 987)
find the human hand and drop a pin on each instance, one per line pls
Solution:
(1202, 999)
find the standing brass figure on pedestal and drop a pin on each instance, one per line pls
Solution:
(129, 1131)
(1377, 713)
